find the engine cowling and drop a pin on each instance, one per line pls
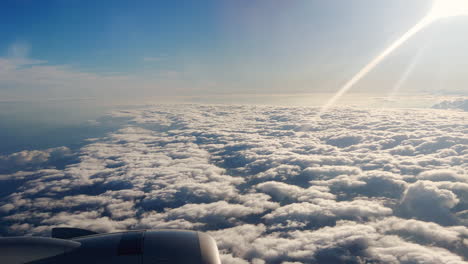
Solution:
(134, 247)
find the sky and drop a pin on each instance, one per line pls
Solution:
(118, 51)
(213, 116)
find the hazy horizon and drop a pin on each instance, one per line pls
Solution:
(131, 52)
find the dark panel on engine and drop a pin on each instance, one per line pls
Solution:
(172, 247)
(131, 244)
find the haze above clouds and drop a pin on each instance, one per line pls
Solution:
(86, 49)
(271, 184)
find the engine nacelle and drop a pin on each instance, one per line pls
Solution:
(134, 247)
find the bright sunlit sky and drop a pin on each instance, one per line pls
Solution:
(121, 50)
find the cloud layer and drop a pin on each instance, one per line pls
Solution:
(271, 184)
(461, 104)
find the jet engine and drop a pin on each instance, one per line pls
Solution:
(78, 246)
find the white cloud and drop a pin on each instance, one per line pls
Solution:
(443, 175)
(461, 104)
(271, 184)
(31, 159)
(27, 79)
(426, 201)
(326, 212)
(41, 78)
(287, 193)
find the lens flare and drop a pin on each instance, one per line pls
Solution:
(376, 61)
(448, 8)
(440, 9)
(406, 74)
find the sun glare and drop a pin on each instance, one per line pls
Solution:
(440, 9)
(449, 8)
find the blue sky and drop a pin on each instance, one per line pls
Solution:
(106, 49)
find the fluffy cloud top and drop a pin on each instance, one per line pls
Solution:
(461, 104)
(32, 159)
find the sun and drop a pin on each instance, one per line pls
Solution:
(448, 8)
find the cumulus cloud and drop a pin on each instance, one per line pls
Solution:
(31, 79)
(346, 242)
(286, 193)
(270, 184)
(426, 201)
(326, 212)
(461, 104)
(32, 159)
(443, 175)
(426, 233)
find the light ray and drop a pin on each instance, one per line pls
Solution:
(406, 74)
(440, 9)
(376, 61)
